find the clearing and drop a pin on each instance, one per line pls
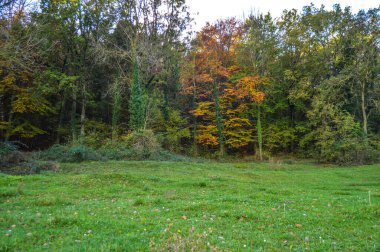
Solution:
(139, 206)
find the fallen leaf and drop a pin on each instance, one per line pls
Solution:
(298, 225)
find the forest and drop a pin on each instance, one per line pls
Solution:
(124, 127)
(122, 79)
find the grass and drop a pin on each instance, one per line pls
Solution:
(140, 206)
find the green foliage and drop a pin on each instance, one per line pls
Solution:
(78, 153)
(56, 152)
(279, 136)
(115, 150)
(339, 139)
(7, 151)
(136, 104)
(116, 108)
(96, 134)
(67, 153)
(172, 130)
(143, 144)
(6, 148)
(14, 161)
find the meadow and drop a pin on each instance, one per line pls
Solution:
(184, 206)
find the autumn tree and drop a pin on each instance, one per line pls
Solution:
(224, 117)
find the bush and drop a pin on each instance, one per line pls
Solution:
(79, 153)
(56, 152)
(7, 148)
(13, 161)
(61, 153)
(115, 150)
(143, 144)
(10, 155)
(140, 145)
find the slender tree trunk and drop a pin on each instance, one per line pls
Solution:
(10, 120)
(219, 121)
(364, 112)
(61, 115)
(2, 118)
(73, 117)
(146, 113)
(116, 110)
(291, 112)
(165, 109)
(259, 133)
(83, 114)
(137, 120)
(195, 126)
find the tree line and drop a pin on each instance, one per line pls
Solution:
(305, 84)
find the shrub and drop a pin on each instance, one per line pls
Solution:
(56, 152)
(115, 150)
(96, 133)
(143, 144)
(79, 153)
(172, 130)
(7, 148)
(61, 153)
(10, 155)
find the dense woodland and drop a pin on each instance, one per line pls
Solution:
(96, 72)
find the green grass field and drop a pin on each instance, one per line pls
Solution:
(160, 206)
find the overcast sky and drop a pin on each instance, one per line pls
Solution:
(211, 10)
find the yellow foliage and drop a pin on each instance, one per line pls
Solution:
(203, 109)
(238, 132)
(30, 103)
(207, 135)
(7, 83)
(247, 87)
(26, 130)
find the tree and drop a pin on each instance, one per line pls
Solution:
(214, 54)
(136, 108)
(248, 88)
(22, 98)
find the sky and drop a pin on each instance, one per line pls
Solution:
(211, 10)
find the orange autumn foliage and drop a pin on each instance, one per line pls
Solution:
(210, 66)
(247, 87)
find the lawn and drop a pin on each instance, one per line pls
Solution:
(142, 206)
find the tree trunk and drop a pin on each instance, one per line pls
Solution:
(7, 134)
(364, 112)
(83, 113)
(219, 121)
(61, 115)
(259, 133)
(116, 110)
(73, 117)
(10, 120)
(195, 146)
(2, 118)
